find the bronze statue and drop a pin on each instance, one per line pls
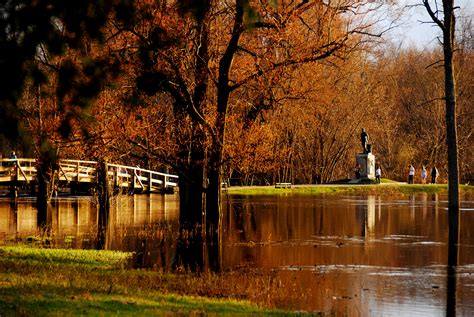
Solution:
(364, 138)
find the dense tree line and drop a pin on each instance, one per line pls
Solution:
(307, 137)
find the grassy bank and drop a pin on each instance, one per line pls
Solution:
(385, 188)
(40, 282)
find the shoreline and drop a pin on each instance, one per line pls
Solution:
(315, 189)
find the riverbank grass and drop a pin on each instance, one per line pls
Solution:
(386, 187)
(54, 282)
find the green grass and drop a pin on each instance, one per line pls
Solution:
(388, 187)
(388, 181)
(268, 190)
(49, 282)
(53, 301)
(90, 258)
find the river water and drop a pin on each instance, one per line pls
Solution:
(342, 255)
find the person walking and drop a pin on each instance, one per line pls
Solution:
(434, 175)
(378, 174)
(424, 174)
(411, 174)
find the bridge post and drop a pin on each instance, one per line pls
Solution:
(132, 183)
(103, 192)
(116, 177)
(77, 172)
(150, 182)
(14, 185)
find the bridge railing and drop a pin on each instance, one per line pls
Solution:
(20, 169)
(137, 177)
(78, 171)
(24, 170)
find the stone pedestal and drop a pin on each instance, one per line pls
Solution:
(366, 161)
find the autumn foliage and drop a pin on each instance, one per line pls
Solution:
(303, 79)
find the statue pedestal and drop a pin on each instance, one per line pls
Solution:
(366, 161)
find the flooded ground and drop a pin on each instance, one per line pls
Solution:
(342, 255)
(360, 256)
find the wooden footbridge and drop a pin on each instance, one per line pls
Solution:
(84, 174)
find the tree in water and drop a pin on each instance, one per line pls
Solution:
(448, 26)
(203, 54)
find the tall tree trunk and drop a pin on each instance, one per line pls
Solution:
(450, 95)
(213, 201)
(223, 93)
(192, 158)
(448, 27)
(453, 167)
(192, 155)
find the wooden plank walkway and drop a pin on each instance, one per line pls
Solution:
(21, 171)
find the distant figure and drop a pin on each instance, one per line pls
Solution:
(12, 157)
(378, 174)
(424, 174)
(434, 175)
(364, 139)
(411, 174)
(12, 165)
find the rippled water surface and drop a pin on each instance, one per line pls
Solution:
(343, 255)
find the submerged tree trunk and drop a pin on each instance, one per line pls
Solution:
(103, 195)
(214, 211)
(448, 28)
(453, 255)
(453, 167)
(192, 181)
(192, 156)
(46, 184)
(213, 199)
(213, 195)
(190, 249)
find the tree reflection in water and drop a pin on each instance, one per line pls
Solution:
(453, 259)
(346, 253)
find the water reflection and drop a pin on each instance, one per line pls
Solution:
(328, 226)
(73, 220)
(352, 255)
(343, 255)
(146, 225)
